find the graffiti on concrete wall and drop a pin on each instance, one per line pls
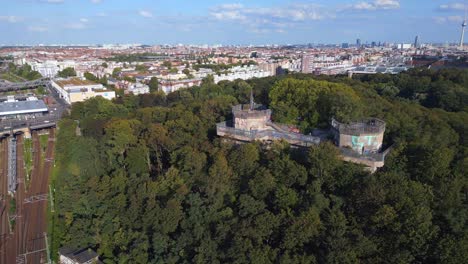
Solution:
(365, 144)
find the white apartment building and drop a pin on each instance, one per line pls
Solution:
(46, 69)
(202, 73)
(77, 90)
(243, 73)
(169, 86)
(138, 88)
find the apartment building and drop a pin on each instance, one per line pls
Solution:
(169, 86)
(77, 90)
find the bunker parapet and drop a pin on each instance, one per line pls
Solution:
(363, 137)
(251, 117)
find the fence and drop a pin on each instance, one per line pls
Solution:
(293, 138)
(372, 126)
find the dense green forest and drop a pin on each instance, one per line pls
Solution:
(148, 181)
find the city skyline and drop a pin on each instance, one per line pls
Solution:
(33, 22)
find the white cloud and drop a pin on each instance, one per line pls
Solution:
(101, 14)
(363, 6)
(229, 15)
(11, 19)
(387, 4)
(76, 25)
(295, 12)
(260, 30)
(38, 29)
(376, 5)
(448, 19)
(84, 20)
(96, 1)
(145, 13)
(262, 20)
(458, 19)
(53, 1)
(231, 6)
(453, 7)
(440, 20)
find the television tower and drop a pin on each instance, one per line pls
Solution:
(462, 38)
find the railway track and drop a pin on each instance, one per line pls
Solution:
(4, 202)
(35, 240)
(26, 244)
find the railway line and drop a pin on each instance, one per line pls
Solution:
(35, 237)
(27, 243)
(4, 201)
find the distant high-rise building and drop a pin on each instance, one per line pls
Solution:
(358, 43)
(416, 42)
(462, 38)
(373, 44)
(305, 64)
(344, 45)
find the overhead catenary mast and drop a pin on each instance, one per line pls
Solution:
(252, 102)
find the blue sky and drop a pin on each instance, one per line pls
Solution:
(228, 22)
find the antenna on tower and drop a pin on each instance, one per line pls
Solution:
(462, 38)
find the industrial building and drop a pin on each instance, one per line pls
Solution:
(30, 108)
(77, 90)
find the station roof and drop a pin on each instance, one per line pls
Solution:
(22, 107)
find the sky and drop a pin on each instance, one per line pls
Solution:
(243, 22)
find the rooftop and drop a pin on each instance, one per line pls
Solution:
(74, 82)
(22, 107)
(166, 81)
(80, 256)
